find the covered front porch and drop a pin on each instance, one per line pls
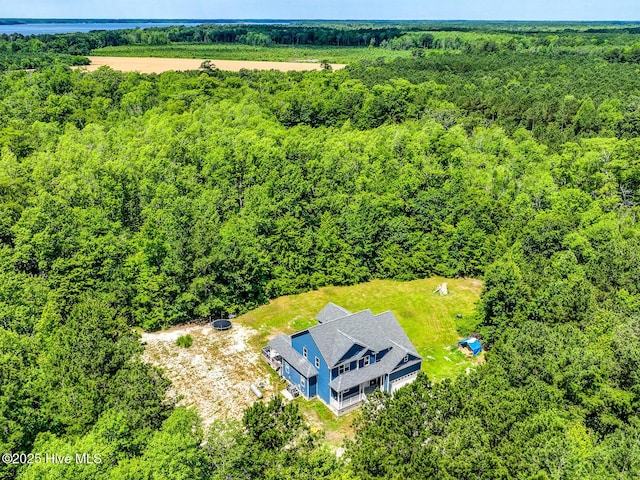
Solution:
(347, 399)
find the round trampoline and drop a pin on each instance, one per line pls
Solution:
(221, 324)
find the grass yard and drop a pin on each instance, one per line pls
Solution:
(430, 322)
(279, 53)
(220, 390)
(319, 417)
(428, 319)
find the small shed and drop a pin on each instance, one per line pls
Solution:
(472, 344)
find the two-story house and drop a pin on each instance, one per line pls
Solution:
(345, 357)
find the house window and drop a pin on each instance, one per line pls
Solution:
(373, 382)
(286, 367)
(406, 358)
(305, 352)
(317, 362)
(366, 361)
(302, 382)
(344, 368)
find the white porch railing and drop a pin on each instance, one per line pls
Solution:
(347, 402)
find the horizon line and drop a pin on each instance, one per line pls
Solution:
(106, 19)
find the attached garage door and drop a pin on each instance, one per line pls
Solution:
(402, 381)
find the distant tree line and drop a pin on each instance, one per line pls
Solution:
(18, 51)
(130, 200)
(38, 48)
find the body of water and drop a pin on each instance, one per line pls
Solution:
(52, 28)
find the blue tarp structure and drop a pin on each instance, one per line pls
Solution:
(472, 344)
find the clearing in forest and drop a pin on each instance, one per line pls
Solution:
(275, 53)
(215, 373)
(429, 320)
(159, 65)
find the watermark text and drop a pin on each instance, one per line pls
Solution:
(84, 458)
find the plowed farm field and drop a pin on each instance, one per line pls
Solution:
(159, 65)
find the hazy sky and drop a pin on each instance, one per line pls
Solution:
(328, 9)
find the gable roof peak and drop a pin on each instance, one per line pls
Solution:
(353, 339)
(400, 346)
(332, 312)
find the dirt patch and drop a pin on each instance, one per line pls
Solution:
(214, 374)
(472, 284)
(159, 65)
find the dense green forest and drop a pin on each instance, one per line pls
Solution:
(615, 42)
(131, 200)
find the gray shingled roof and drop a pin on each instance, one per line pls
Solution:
(282, 345)
(385, 366)
(377, 332)
(340, 345)
(332, 312)
(330, 339)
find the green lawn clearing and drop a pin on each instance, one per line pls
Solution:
(279, 53)
(430, 320)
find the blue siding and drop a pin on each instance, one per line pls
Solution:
(351, 392)
(380, 355)
(334, 372)
(410, 358)
(354, 357)
(356, 363)
(294, 377)
(372, 359)
(404, 371)
(352, 352)
(321, 388)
